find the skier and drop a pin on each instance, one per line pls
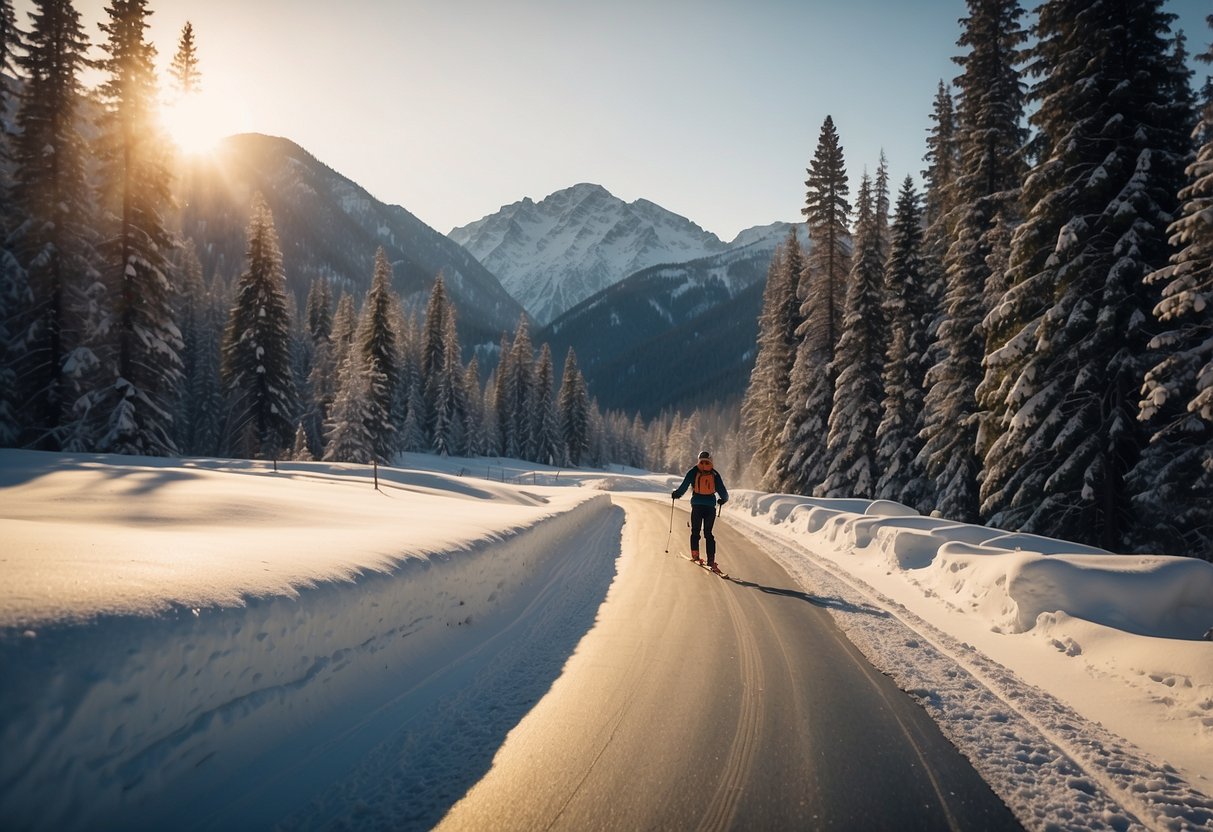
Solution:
(706, 483)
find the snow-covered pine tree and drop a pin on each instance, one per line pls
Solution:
(474, 440)
(345, 322)
(322, 379)
(347, 438)
(519, 383)
(193, 320)
(498, 398)
(407, 347)
(135, 406)
(52, 277)
(990, 137)
(1172, 484)
(376, 342)
(449, 405)
(1071, 333)
(256, 367)
(881, 205)
(412, 434)
(320, 310)
(900, 472)
(857, 365)
(433, 349)
(574, 406)
(765, 408)
(943, 165)
(800, 464)
(301, 452)
(546, 444)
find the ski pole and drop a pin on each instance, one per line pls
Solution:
(670, 536)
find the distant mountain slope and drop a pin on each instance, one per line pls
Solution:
(674, 336)
(330, 227)
(554, 253)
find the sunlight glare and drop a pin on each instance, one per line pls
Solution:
(194, 123)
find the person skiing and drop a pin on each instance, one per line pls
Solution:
(705, 482)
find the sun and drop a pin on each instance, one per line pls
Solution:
(194, 123)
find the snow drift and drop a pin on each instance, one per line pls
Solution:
(139, 713)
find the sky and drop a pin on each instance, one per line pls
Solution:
(453, 109)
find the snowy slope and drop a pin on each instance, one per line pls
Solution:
(556, 252)
(329, 227)
(635, 340)
(173, 630)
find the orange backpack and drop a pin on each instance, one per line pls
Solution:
(704, 482)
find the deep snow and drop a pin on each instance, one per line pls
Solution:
(171, 627)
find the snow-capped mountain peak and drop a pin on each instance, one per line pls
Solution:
(552, 254)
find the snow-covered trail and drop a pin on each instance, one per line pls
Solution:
(701, 703)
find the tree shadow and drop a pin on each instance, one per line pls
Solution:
(831, 603)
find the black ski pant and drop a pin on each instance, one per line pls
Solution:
(704, 516)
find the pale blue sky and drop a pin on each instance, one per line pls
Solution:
(453, 108)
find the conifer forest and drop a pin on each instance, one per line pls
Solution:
(1022, 336)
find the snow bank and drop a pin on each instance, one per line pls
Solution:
(139, 710)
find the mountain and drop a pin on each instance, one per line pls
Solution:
(329, 227)
(673, 336)
(552, 254)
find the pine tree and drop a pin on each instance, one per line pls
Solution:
(1172, 484)
(135, 408)
(449, 406)
(901, 474)
(376, 342)
(412, 434)
(301, 452)
(433, 350)
(473, 424)
(346, 437)
(184, 69)
(857, 364)
(192, 313)
(546, 445)
(345, 321)
(517, 415)
(322, 380)
(500, 397)
(990, 137)
(51, 279)
(942, 158)
(574, 406)
(1070, 334)
(765, 409)
(257, 344)
(940, 200)
(10, 38)
(800, 464)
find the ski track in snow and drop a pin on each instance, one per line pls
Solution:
(1053, 768)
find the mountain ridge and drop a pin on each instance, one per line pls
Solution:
(329, 227)
(553, 253)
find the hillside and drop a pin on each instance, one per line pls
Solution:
(329, 227)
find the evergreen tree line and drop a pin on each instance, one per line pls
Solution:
(1029, 344)
(113, 340)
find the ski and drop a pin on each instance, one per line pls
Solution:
(703, 565)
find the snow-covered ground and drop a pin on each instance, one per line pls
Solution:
(169, 628)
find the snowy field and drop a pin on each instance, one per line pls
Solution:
(174, 629)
